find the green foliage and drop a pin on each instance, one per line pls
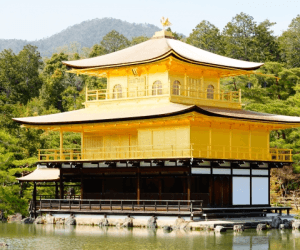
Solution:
(206, 36)
(138, 39)
(290, 44)
(114, 41)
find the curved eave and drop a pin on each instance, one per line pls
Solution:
(241, 116)
(160, 58)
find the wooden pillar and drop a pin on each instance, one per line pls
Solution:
(34, 199)
(56, 190)
(81, 188)
(189, 186)
(159, 188)
(138, 188)
(82, 144)
(61, 187)
(61, 144)
(103, 189)
(218, 90)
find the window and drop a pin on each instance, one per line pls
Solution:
(117, 92)
(157, 88)
(176, 88)
(210, 92)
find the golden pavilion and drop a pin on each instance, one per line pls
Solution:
(162, 138)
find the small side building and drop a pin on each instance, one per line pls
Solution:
(163, 137)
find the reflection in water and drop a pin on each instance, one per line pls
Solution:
(20, 236)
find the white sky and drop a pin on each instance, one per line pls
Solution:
(36, 19)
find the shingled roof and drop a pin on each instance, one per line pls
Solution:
(159, 48)
(138, 112)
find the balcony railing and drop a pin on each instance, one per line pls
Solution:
(197, 94)
(166, 152)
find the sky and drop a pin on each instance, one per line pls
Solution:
(37, 19)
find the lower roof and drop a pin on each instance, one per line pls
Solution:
(137, 112)
(42, 174)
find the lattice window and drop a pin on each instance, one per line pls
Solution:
(157, 88)
(176, 88)
(117, 91)
(210, 92)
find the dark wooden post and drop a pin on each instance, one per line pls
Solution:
(81, 188)
(103, 189)
(61, 186)
(34, 199)
(188, 187)
(138, 189)
(159, 188)
(56, 190)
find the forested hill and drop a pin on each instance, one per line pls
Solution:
(86, 34)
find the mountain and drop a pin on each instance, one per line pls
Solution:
(86, 34)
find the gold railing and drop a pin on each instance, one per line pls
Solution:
(198, 94)
(227, 96)
(166, 152)
(104, 94)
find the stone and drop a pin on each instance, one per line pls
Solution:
(49, 219)
(152, 222)
(210, 227)
(219, 229)
(167, 228)
(238, 228)
(39, 220)
(27, 220)
(3, 244)
(261, 227)
(103, 222)
(296, 224)
(14, 218)
(276, 221)
(70, 220)
(60, 221)
(128, 222)
(179, 224)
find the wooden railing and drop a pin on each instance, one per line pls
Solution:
(227, 96)
(167, 151)
(135, 206)
(127, 93)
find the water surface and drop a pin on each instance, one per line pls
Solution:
(20, 236)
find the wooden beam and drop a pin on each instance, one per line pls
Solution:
(56, 190)
(61, 186)
(61, 143)
(34, 199)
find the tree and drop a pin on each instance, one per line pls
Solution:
(114, 41)
(19, 74)
(245, 40)
(138, 39)
(238, 37)
(176, 35)
(290, 44)
(206, 36)
(97, 50)
(265, 43)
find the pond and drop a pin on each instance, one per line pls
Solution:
(20, 236)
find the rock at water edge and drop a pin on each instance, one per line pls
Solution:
(152, 222)
(238, 228)
(219, 229)
(70, 220)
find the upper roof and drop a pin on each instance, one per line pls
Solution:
(137, 112)
(158, 48)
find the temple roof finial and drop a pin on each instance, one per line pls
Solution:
(165, 22)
